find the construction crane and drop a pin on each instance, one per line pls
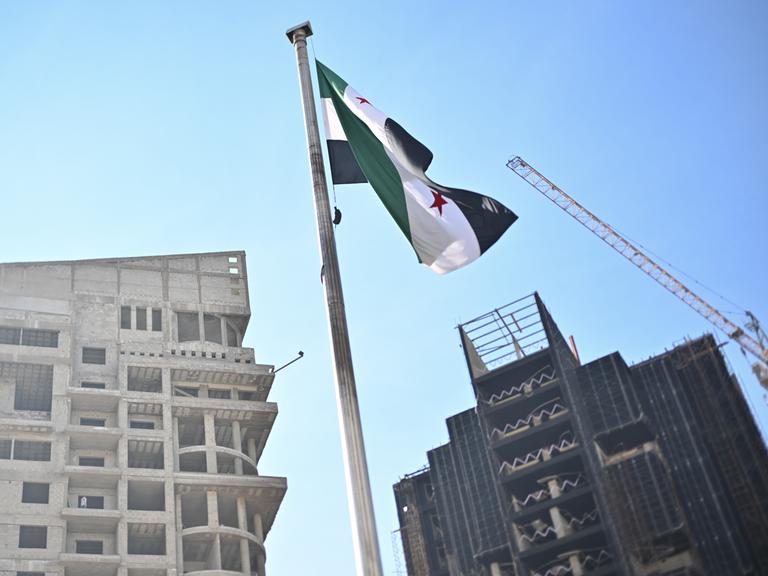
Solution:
(756, 345)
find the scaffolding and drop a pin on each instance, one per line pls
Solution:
(733, 435)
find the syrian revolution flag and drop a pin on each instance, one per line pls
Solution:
(447, 227)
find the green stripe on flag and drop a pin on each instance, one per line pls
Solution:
(368, 150)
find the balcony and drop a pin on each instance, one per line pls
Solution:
(92, 476)
(93, 437)
(88, 519)
(89, 564)
(99, 400)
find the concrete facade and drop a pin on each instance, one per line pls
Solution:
(132, 420)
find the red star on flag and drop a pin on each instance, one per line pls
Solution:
(362, 100)
(439, 201)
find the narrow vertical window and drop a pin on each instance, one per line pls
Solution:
(157, 320)
(125, 317)
(141, 318)
(212, 328)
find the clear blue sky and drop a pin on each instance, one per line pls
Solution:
(140, 128)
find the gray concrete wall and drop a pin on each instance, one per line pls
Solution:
(82, 300)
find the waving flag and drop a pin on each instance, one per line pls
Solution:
(447, 227)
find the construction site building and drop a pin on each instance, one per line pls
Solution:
(132, 420)
(591, 469)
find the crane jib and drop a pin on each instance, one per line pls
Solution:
(640, 259)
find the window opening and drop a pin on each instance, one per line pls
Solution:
(10, 336)
(101, 422)
(141, 379)
(189, 329)
(212, 326)
(94, 356)
(89, 547)
(141, 318)
(5, 449)
(125, 317)
(33, 451)
(142, 424)
(157, 320)
(41, 338)
(35, 493)
(33, 537)
(93, 502)
(94, 461)
(94, 385)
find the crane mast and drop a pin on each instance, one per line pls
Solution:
(635, 255)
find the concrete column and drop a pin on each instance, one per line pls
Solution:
(237, 444)
(252, 449)
(495, 569)
(210, 443)
(122, 539)
(261, 557)
(213, 509)
(179, 539)
(165, 374)
(522, 544)
(558, 522)
(176, 464)
(216, 553)
(122, 414)
(242, 523)
(576, 568)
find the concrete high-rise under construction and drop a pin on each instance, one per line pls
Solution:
(564, 468)
(132, 420)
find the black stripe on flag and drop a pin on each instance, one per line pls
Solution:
(344, 167)
(488, 218)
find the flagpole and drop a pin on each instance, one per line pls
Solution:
(366, 543)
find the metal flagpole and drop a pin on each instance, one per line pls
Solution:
(366, 543)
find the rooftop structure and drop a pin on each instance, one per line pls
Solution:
(600, 468)
(132, 420)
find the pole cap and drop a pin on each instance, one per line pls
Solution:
(305, 26)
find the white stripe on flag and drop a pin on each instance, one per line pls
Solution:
(331, 123)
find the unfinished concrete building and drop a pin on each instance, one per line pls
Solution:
(132, 420)
(565, 468)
